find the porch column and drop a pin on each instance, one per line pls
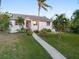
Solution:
(25, 23)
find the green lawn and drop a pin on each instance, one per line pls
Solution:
(20, 46)
(68, 45)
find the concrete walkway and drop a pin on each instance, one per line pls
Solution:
(52, 51)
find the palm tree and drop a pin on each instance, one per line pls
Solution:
(0, 3)
(60, 24)
(42, 4)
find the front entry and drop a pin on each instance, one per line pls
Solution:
(28, 24)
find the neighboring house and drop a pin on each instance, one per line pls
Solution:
(30, 22)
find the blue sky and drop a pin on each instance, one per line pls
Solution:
(30, 7)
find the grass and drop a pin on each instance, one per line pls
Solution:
(68, 45)
(20, 46)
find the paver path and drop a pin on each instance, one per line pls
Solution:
(51, 50)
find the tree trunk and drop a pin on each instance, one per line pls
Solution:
(39, 11)
(38, 15)
(59, 34)
(0, 3)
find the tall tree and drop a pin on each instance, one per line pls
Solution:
(0, 3)
(4, 21)
(42, 4)
(75, 22)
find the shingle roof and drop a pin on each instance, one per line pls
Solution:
(32, 17)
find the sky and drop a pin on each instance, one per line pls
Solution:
(30, 7)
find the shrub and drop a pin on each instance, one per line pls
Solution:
(22, 31)
(75, 30)
(36, 31)
(1, 28)
(43, 32)
(48, 30)
(28, 32)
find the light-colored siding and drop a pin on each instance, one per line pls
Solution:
(44, 25)
(14, 28)
(41, 26)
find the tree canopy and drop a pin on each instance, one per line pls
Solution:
(75, 22)
(4, 21)
(61, 22)
(42, 4)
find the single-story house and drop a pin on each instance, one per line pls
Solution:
(31, 22)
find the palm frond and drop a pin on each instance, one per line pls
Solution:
(44, 8)
(46, 5)
(42, 4)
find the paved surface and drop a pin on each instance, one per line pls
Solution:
(52, 51)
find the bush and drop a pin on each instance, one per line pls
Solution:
(22, 31)
(36, 31)
(1, 28)
(43, 32)
(48, 30)
(75, 30)
(28, 32)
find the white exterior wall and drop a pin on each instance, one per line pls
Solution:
(13, 27)
(41, 26)
(44, 25)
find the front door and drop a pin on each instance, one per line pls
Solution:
(28, 24)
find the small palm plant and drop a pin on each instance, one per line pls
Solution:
(61, 24)
(20, 22)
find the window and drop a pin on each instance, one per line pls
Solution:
(48, 23)
(34, 23)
